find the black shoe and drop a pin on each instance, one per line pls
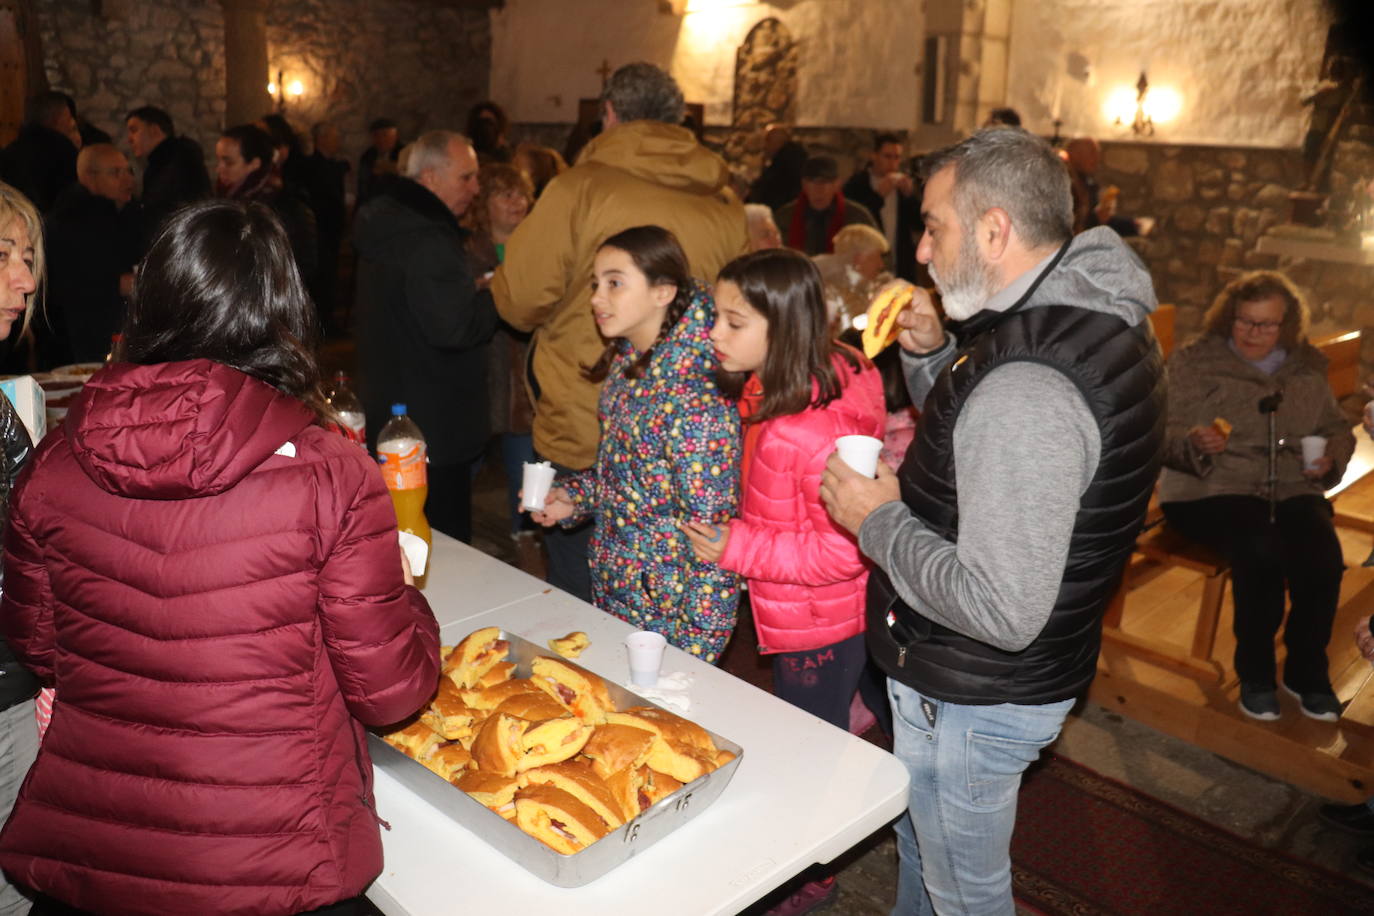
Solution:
(1259, 702)
(1320, 704)
(1356, 819)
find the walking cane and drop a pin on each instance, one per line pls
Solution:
(1270, 405)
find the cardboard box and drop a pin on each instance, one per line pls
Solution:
(27, 397)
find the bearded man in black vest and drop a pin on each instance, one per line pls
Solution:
(1001, 539)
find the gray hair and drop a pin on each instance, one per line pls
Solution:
(643, 92)
(757, 213)
(430, 151)
(1015, 170)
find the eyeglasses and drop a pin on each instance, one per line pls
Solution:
(1264, 327)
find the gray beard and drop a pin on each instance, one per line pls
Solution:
(964, 294)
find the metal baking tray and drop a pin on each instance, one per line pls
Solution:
(580, 868)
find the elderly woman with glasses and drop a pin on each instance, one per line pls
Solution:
(1217, 489)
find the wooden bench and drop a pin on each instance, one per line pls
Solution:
(1161, 544)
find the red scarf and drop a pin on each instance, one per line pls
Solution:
(796, 232)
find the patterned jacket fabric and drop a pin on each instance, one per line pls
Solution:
(212, 583)
(669, 452)
(807, 577)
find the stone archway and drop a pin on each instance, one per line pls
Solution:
(765, 89)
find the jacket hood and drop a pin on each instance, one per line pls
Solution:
(664, 154)
(1100, 273)
(401, 209)
(178, 430)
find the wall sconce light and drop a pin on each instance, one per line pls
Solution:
(280, 90)
(1143, 107)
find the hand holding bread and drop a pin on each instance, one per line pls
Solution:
(1211, 439)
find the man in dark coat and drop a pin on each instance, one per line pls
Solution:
(809, 222)
(91, 248)
(378, 161)
(42, 159)
(423, 323)
(892, 197)
(781, 178)
(325, 174)
(175, 174)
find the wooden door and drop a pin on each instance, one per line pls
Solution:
(14, 84)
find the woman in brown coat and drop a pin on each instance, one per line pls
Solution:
(1215, 486)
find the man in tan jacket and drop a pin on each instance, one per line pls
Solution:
(643, 169)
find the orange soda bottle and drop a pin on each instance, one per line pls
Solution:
(404, 459)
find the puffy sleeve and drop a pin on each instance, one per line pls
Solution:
(818, 553)
(26, 612)
(380, 634)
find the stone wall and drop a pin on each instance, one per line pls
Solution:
(1211, 206)
(1240, 67)
(857, 62)
(422, 63)
(158, 52)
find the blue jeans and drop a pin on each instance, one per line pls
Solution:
(18, 750)
(954, 845)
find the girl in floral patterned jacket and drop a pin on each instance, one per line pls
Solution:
(669, 449)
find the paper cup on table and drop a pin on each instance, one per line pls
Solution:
(646, 656)
(1313, 448)
(860, 453)
(537, 482)
(417, 552)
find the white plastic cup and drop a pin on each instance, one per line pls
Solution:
(860, 453)
(417, 552)
(646, 656)
(538, 479)
(1313, 448)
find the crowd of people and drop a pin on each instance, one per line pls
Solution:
(686, 361)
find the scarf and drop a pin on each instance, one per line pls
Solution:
(796, 231)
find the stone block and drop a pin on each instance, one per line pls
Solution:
(1130, 160)
(1188, 218)
(1233, 159)
(1267, 169)
(1209, 251)
(1211, 177)
(1235, 191)
(1232, 253)
(1210, 194)
(1173, 181)
(1218, 220)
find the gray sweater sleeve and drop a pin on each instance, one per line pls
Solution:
(1026, 446)
(921, 371)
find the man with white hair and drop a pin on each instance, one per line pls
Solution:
(92, 245)
(763, 232)
(985, 607)
(424, 320)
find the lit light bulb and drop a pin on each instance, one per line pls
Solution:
(1162, 104)
(271, 88)
(1120, 106)
(295, 89)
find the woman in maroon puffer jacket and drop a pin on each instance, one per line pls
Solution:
(211, 581)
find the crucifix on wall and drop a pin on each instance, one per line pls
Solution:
(605, 71)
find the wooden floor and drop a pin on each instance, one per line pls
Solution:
(1332, 759)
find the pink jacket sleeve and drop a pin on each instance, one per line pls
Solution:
(806, 548)
(380, 633)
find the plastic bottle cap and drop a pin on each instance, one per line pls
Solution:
(398, 410)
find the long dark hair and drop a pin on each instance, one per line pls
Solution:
(656, 254)
(784, 287)
(220, 283)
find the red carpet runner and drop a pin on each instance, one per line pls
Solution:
(1088, 845)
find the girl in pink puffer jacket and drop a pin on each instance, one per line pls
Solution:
(798, 391)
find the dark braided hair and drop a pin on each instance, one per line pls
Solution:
(656, 254)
